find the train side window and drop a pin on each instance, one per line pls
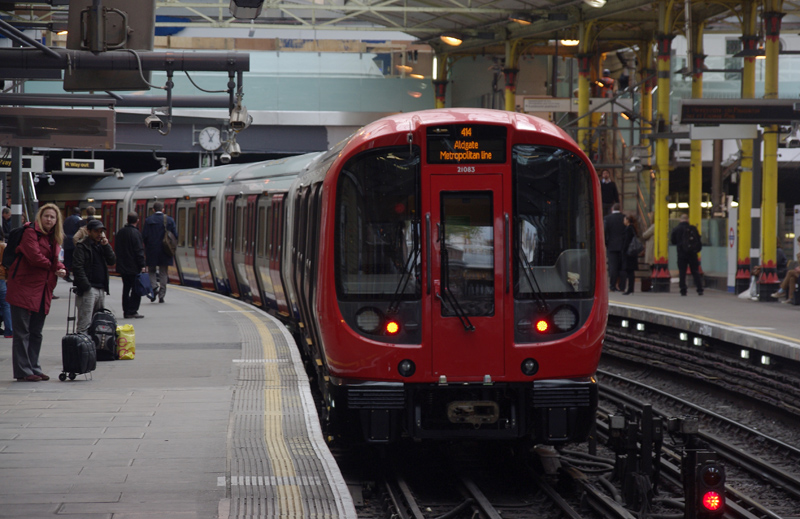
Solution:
(213, 229)
(181, 227)
(122, 221)
(239, 230)
(262, 232)
(191, 231)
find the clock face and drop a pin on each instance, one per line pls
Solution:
(209, 138)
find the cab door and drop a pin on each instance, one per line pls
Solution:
(468, 268)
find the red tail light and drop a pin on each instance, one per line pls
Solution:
(392, 327)
(542, 326)
(712, 501)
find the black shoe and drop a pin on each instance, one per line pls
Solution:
(627, 293)
(683, 293)
(56, 297)
(699, 292)
(160, 299)
(612, 289)
(68, 279)
(137, 315)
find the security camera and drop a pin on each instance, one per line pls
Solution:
(154, 122)
(240, 118)
(50, 180)
(119, 174)
(793, 142)
(225, 158)
(234, 149)
(636, 165)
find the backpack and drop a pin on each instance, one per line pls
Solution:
(170, 242)
(14, 238)
(690, 241)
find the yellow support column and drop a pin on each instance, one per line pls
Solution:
(749, 45)
(661, 275)
(584, 72)
(696, 164)
(768, 282)
(510, 71)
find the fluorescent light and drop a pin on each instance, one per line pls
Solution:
(569, 43)
(595, 3)
(452, 39)
(417, 76)
(404, 68)
(435, 73)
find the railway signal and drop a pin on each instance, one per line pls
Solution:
(704, 485)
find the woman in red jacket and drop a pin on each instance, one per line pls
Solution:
(31, 280)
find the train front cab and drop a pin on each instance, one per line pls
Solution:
(468, 293)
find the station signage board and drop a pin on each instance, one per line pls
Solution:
(82, 165)
(30, 164)
(739, 111)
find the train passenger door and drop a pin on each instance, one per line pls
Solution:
(201, 245)
(187, 238)
(230, 238)
(140, 206)
(251, 211)
(263, 239)
(170, 210)
(241, 228)
(469, 267)
(275, 252)
(108, 215)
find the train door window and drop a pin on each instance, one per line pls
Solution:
(181, 224)
(553, 224)
(263, 232)
(239, 232)
(191, 231)
(122, 220)
(213, 229)
(377, 229)
(468, 251)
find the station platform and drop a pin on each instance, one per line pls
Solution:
(213, 418)
(767, 327)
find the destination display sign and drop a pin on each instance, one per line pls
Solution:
(739, 111)
(466, 143)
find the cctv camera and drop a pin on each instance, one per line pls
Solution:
(153, 122)
(225, 158)
(793, 142)
(50, 180)
(118, 173)
(234, 149)
(239, 118)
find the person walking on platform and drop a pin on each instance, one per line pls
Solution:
(786, 292)
(130, 262)
(93, 255)
(6, 222)
(71, 226)
(614, 228)
(31, 280)
(608, 192)
(155, 227)
(631, 260)
(686, 238)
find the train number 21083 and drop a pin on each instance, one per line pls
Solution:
(466, 169)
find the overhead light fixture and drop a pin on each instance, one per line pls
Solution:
(404, 68)
(569, 43)
(417, 76)
(435, 69)
(522, 18)
(415, 95)
(454, 40)
(597, 4)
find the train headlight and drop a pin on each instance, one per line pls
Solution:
(406, 368)
(529, 367)
(565, 318)
(369, 320)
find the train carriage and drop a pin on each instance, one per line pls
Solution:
(443, 271)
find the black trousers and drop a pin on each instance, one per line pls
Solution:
(130, 299)
(689, 260)
(615, 270)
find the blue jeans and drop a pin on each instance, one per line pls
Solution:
(5, 309)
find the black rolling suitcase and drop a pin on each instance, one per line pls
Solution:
(77, 350)
(103, 332)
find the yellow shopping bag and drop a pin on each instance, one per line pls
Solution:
(126, 342)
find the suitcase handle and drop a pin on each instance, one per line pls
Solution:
(72, 318)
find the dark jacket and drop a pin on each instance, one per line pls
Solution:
(90, 263)
(32, 276)
(676, 238)
(130, 251)
(153, 237)
(609, 193)
(71, 226)
(631, 261)
(614, 227)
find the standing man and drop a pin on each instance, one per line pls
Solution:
(614, 227)
(71, 226)
(155, 226)
(684, 236)
(6, 221)
(130, 261)
(91, 259)
(608, 191)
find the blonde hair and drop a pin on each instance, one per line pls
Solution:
(58, 228)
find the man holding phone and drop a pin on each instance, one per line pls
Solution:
(90, 261)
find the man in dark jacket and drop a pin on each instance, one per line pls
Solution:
(130, 262)
(90, 262)
(71, 226)
(686, 258)
(614, 227)
(608, 192)
(155, 226)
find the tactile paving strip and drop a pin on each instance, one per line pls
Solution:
(279, 464)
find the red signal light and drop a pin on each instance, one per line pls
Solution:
(542, 326)
(712, 501)
(392, 327)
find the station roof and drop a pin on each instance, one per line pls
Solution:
(484, 25)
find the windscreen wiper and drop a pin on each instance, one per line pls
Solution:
(541, 302)
(449, 300)
(408, 270)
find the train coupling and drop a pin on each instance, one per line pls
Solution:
(477, 412)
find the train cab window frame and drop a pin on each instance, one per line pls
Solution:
(377, 238)
(181, 227)
(553, 224)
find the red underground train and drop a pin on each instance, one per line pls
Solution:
(443, 271)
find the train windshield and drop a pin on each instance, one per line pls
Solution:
(377, 226)
(553, 224)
